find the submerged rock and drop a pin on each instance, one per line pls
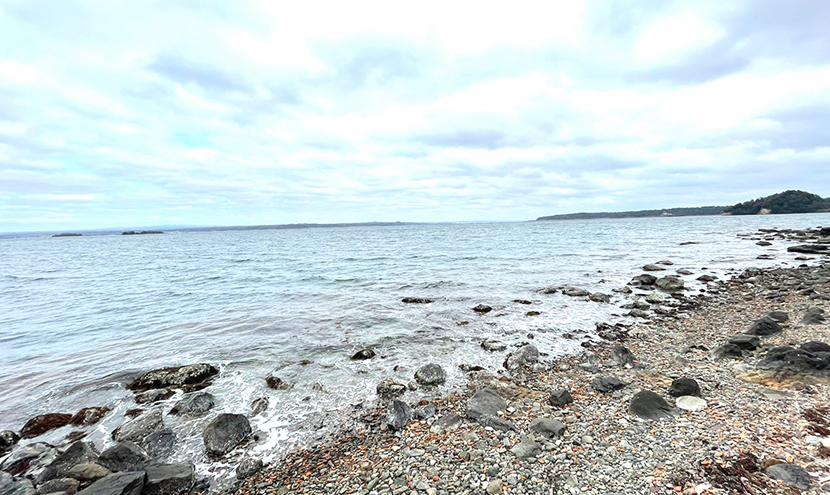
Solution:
(45, 422)
(194, 404)
(259, 406)
(523, 356)
(600, 297)
(416, 300)
(390, 388)
(278, 383)
(188, 376)
(225, 432)
(493, 346)
(363, 354)
(575, 292)
(430, 375)
(482, 308)
(644, 280)
(89, 416)
(670, 284)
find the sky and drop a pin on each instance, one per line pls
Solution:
(205, 112)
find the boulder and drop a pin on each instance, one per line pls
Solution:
(621, 356)
(449, 421)
(45, 422)
(77, 453)
(88, 471)
(154, 395)
(400, 414)
(648, 405)
(548, 290)
(259, 406)
(493, 346)
(89, 416)
(786, 358)
(684, 386)
(707, 278)
(137, 429)
(159, 444)
(523, 356)
(191, 376)
(194, 404)
(547, 427)
(815, 346)
(600, 297)
(224, 433)
(644, 280)
(482, 308)
(362, 355)
(764, 327)
(123, 456)
(809, 249)
(560, 397)
(8, 439)
(22, 458)
(654, 298)
(670, 284)
(653, 268)
(575, 292)
(169, 479)
(430, 375)
(685, 271)
(745, 341)
(690, 403)
(129, 483)
(606, 384)
(790, 474)
(66, 486)
(813, 316)
(485, 402)
(10, 485)
(526, 449)
(728, 351)
(249, 467)
(390, 388)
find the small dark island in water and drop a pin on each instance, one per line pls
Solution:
(67, 234)
(141, 232)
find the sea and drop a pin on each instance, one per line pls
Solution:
(81, 316)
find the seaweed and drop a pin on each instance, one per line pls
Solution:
(819, 419)
(737, 477)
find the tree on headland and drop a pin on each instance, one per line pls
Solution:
(785, 202)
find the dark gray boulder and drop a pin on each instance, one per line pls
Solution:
(485, 402)
(77, 453)
(764, 327)
(248, 467)
(190, 376)
(815, 346)
(482, 308)
(684, 386)
(785, 358)
(169, 479)
(648, 405)
(575, 292)
(779, 316)
(224, 433)
(621, 356)
(745, 341)
(159, 444)
(23, 458)
(8, 439)
(790, 474)
(390, 388)
(400, 414)
(600, 297)
(707, 278)
(137, 429)
(67, 486)
(523, 356)
(424, 412)
(154, 395)
(547, 427)
(129, 483)
(809, 249)
(430, 375)
(670, 284)
(416, 300)
(606, 384)
(727, 351)
(9, 485)
(644, 280)
(194, 404)
(813, 316)
(123, 456)
(363, 355)
(560, 397)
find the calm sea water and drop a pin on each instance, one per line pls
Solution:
(82, 314)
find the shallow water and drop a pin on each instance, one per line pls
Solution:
(81, 315)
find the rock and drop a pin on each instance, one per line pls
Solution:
(159, 444)
(654, 298)
(648, 405)
(548, 290)
(685, 271)
(547, 427)
(614, 332)
(764, 327)
(449, 421)
(690, 403)
(600, 297)
(485, 402)
(522, 301)
(22, 458)
(644, 280)
(622, 290)
(494, 487)
(89, 416)
(137, 429)
(123, 456)
(493, 346)
(786, 358)
(815, 346)
(424, 412)
(362, 355)
(809, 249)
(416, 300)
(684, 386)
(88, 471)
(154, 395)
(813, 316)
(670, 284)
(400, 414)
(390, 388)
(278, 383)
(727, 351)
(779, 316)
(653, 268)
(224, 433)
(67, 486)
(191, 376)
(707, 278)
(525, 449)
(130, 483)
(45, 422)
(532, 313)
(621, 356)
(8, 439)
(575, 292)
(430, 375)
(259, 406)
(523, 356)
(745, 342)
(481, 308)
(194, 404)
(607, 384)
(790, 474)
(763, 243)
(560, 397)
(10, 485)
(77, 453)
(249, 467)
(169, 479)
(638, 313)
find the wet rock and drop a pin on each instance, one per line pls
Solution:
(644, 280)
(809, 249)
(526, 449)
(130, 483)
(622, 290)
(548, 290)
(764, 327)
(790, 474)
(88, 471)
(482, 308)
(169, 479)
(10, 485)
(154, 395)
(813, 316)
(616, 332)
(728, 351)
(638, 313)
(654, 298)
(390, 388)
(493, 346)
(684, 386)
(137, 429)
(224, 433)
(745, 342)
(45, 422)
(66, 486)
(522, 301)
(249, 467)
(400, 414)
(648, 405)
(8, 439)
(159, 444)
(523, 356)
(362, 355)
(194, 404)
(547, 427)
(560, 397)
(600, 297)
(670, 284)
(430, 375)
(685, 271)
(606, 384)
(707, 278)
(190, 376)
(575, 292)
(621, 356)
(779, 316)
(123, 456)
(89, 416)
(23, 457)
(278, 383)
(763, 243)
(653, 268)
(259, 406)
(77, 453)
(690, 403)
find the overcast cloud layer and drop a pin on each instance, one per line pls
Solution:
(228, 113)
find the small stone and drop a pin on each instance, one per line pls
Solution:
(248, 467)
(560, 397)
(691, 403)
(684, 386)
(494, 487)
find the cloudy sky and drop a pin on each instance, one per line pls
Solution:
(204, 112)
